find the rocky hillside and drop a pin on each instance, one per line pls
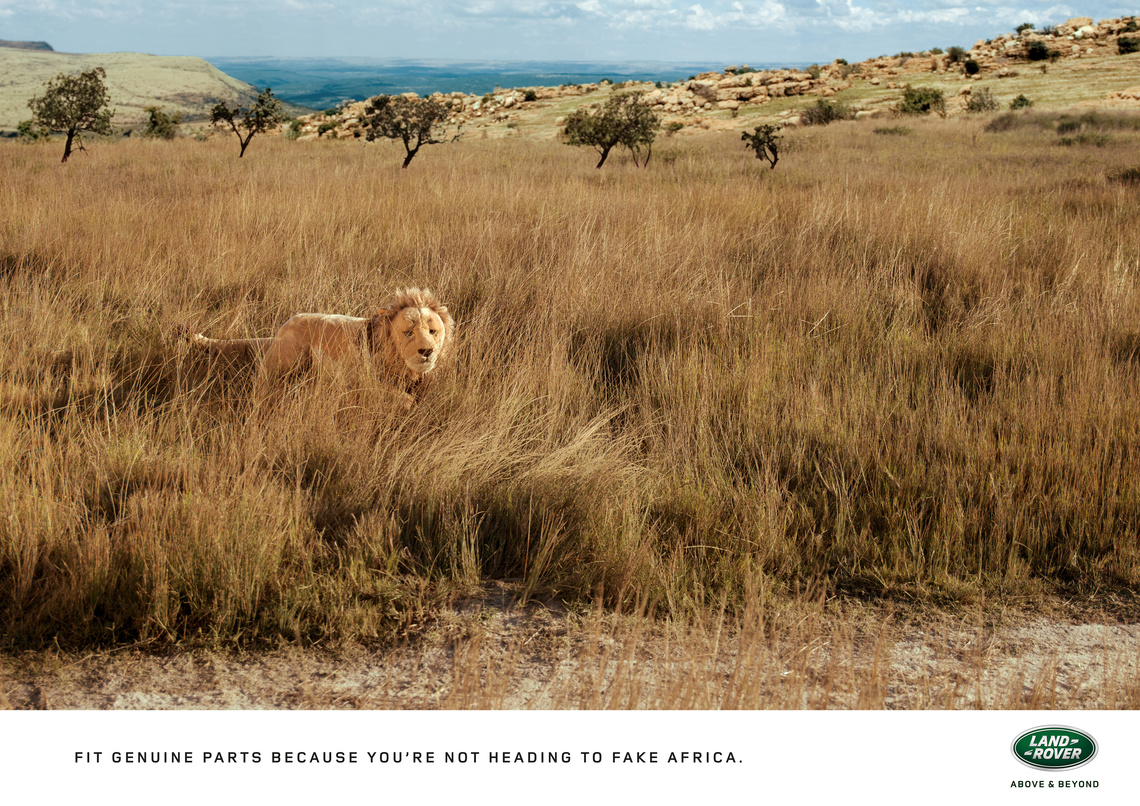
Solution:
(180, 84)
(708, 99)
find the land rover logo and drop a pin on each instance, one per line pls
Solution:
(1054, 747)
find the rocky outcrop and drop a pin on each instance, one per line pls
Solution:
(497, 107)
(690, 99)
(1075, 38)
(1130, 94)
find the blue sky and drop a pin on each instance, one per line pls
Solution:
(732, 31)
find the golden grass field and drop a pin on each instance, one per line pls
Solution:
(899, 367)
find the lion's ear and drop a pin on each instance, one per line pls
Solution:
(386, 314)
(448, 322)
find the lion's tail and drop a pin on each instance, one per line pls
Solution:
(230, 348)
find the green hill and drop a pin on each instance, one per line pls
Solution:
(182, 84)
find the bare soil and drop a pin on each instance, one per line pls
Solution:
(490, 652)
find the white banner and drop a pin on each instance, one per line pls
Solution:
(556, 757)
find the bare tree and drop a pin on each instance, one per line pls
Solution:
(265, 114)
(72, 104)
(416, 122)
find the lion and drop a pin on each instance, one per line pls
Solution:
(404, 340)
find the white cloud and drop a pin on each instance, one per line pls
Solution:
(700, 19)
(943, 16)
(527, 29)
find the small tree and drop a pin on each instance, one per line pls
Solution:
(161, 125)
(72, 104)
(264, 115)
(765, 142)
(416, 122)
(625, 119)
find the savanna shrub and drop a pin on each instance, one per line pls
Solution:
(981, 100)
(31, 132)
(1126, 176)
(1038, 52)
(160, 125)
(921, 101)
(824, 112)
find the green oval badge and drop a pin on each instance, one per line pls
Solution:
(1054, 747)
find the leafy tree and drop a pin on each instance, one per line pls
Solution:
(416, 122)
(765, 142)
(264, 115)
(955, 54)
(1025, 26)
(1020, 102)
(72, 104)
(1126, 45)
(161, 125)
(625, 119)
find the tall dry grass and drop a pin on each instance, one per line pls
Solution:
(902, 366)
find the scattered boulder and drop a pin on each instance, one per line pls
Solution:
(1130, 94)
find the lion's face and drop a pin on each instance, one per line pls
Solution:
(419, 335)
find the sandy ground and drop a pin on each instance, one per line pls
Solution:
(490, 653)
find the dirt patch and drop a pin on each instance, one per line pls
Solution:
(490, 652)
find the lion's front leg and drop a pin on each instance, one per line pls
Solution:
(402, 401)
